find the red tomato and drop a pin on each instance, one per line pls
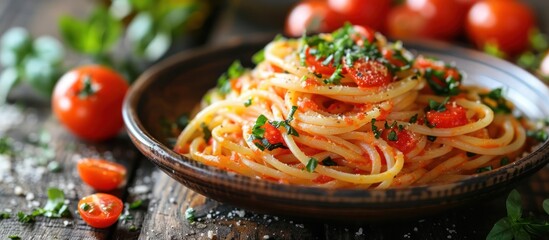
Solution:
(88, 101)
(454, 116)
(403, 22)
(312, 17)
(321, 179)
(367, 74)
(370, 13)
(100, 210)
(317, 66)
(272, 134)
(101, 174)
(506, 24)
(405, 142)
(437, 19)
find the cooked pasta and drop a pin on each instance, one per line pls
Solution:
(349, 109)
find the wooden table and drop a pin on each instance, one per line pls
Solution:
(39, 139)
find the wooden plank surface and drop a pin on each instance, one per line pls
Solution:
(162, 216)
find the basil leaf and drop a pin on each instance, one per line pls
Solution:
(48, 49)
(328, 161)
(259, 56)
(136, 204)
(206, 131)
(41, 74)
(513, 203)
(14, 45)
(502, 230)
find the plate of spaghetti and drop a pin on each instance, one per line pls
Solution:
(343, 124)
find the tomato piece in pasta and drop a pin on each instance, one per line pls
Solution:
(405, 141)
(368, 74)
(316, 64)
(453, 116)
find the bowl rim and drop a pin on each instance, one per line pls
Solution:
(520, 168)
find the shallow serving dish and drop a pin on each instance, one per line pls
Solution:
(175, 86)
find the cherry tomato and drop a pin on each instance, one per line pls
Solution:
(403, 22)
(405, 140)
(88, 101)
(312, 17)
(100, 210)
(370, 13)
(367, 74)
(437, 19)
(321, 179)
(506, 24)
(101, 174)
(454, 116)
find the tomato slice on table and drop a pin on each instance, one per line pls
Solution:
(100, 210)
(101, 174)
(453, 116)
(368, 74)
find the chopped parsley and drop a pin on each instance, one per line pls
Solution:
(190, 214)
(55, 206)
(183, 121)
(5, 146)
(335, 77)
(431, 138)
(258, 56)
(449, 86)
(413, 119)
(224, 81)
(5, 215)
(286, 123)
(206, 131)
(257, 131)
(133, 228)
(248, 102)
(25, 218)
(375, 130)
(484, 169)
(14, 237)
(311, 165)
(436, 106)
(136, 204)
(328, 161)
(495, 100)
(504, 161)
(538, 135)
(392, 136)
(428, 124)
(470, 154)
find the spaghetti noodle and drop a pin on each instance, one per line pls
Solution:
(349, 109)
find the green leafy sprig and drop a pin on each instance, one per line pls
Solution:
(515, 226)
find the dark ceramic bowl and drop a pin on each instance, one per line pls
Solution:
(175, 86)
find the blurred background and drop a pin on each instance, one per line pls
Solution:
(43, 39)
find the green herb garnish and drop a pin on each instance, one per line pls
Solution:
(206, 131)
(504, 161)
(85, 206)
(224, 81)
(413, 119)
(190, 214)
(449, 87)
(248, 102)
(375, 130)
(259, 56)
(495, 100)
(538, 135)
(5, 215)
(484, 169)
(517, 227)
(431, 138)
(311, 165)
(436, 106)
(25, 218)
(392, 136)
(55, 206)
(136, 204)
(14, 237)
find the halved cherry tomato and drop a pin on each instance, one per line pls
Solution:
(367, 74)
(371, 13)
(272, 134)
(312, 17)
(88, 101)
(100, 210)
(101, 174)
(454, 116)
(505, 24)
(405, 140)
